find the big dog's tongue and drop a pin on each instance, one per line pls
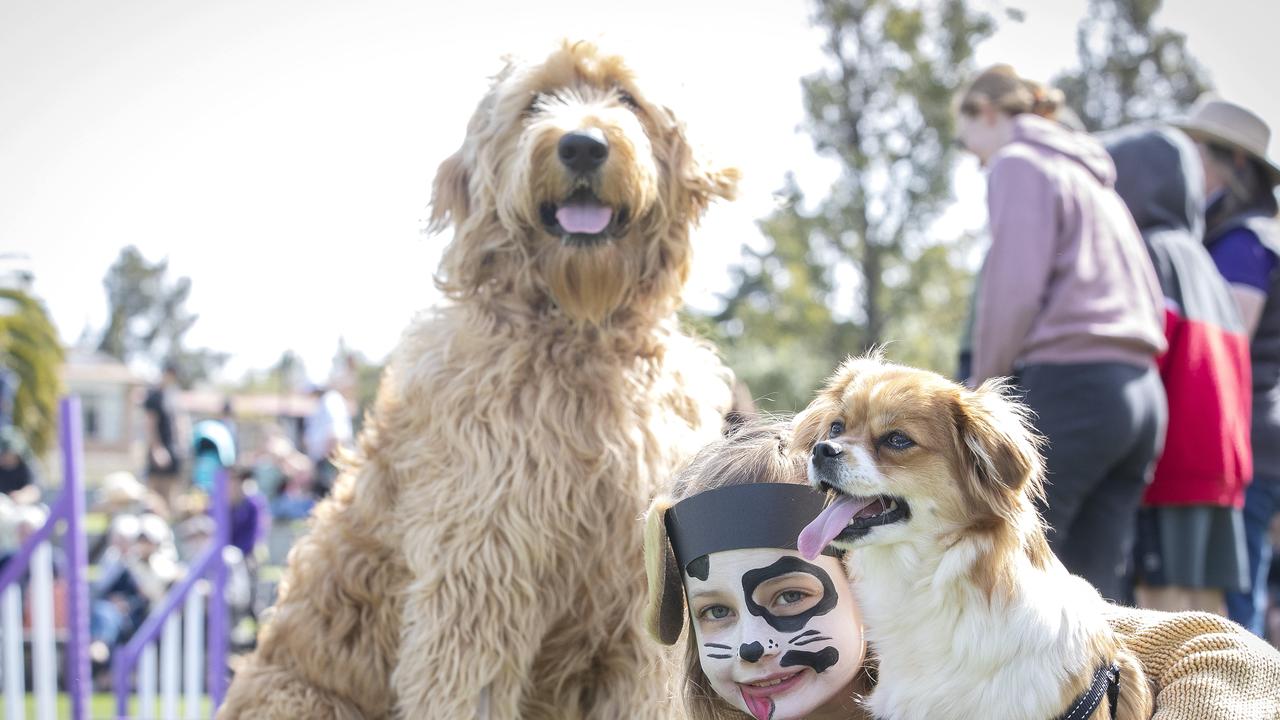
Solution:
(818, 534)
(586, 218)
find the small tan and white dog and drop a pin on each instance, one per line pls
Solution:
(970, 613)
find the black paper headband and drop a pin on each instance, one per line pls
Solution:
(737, 517)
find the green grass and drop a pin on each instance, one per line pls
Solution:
(102, 706)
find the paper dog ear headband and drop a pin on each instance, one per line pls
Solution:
(737, 517)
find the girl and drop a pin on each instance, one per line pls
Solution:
(771, 635)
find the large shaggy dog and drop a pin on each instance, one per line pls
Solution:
(969, 611)
(481, 553)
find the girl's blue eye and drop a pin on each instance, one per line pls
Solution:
(790, 596)
(716, 612)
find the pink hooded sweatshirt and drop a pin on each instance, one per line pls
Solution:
(1067, 279)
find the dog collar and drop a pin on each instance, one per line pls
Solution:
(1105, 678)
(753, 515)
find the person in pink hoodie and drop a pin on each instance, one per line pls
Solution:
(1068, 305)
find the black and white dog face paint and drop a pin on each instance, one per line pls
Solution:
(779, 637)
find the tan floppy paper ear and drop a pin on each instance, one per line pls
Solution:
(664, 608)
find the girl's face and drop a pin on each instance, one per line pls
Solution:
(778, 637)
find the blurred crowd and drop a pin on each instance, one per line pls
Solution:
(148, 525)
(1131, 293)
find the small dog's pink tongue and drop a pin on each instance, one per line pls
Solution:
(585, 218)
(818, 534)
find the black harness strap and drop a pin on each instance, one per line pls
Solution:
(1105, 679)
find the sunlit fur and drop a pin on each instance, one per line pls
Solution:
(970, 613)
(481, 554)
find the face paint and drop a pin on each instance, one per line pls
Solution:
(784, 566)
(699, 567)
(779, 638)
(819, 661)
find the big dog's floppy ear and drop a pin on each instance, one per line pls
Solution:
(664, 610)
(1002, 450)
(449, 193)
(698, 180)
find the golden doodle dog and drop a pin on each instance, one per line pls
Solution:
(481, 553)
(970, 613)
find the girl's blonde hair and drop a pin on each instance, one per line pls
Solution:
(1001, 88)
(756, 452)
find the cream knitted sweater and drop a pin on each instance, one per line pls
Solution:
(1202, 666)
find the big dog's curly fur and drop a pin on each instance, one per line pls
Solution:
(481, 553)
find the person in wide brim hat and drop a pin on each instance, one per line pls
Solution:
(1242, 235)
(1225, 123)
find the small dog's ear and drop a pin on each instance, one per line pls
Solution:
(1001, 449)
(449, 193)
(664, 609)
(810, 426)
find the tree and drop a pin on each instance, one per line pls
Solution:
(862, 267)
(289, 373)
(147, 318)
(1130, 70)
(30, 348)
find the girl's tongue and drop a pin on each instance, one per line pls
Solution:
(761, 707)
(818, 534)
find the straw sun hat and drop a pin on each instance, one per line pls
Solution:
(1226, 123)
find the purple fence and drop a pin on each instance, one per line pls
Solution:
(69, 508)
(210, 565)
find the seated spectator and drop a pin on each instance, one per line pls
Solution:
(17, 467)
(295, 500)
(136, 570)
(17, 523)
(121, 493)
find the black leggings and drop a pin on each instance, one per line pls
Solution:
(1105, 424)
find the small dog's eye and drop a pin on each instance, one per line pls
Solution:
(837, 429)
(897, 440)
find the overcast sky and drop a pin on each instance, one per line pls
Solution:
(280, 152)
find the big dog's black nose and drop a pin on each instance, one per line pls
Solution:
(583, 150)
(826, 449)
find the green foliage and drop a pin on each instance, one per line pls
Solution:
(1130, 70)
(861, 268)
(29, 346)
(147, 318)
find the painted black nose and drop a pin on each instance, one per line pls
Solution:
(752, 652)
(583, 150)
(826, 449)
